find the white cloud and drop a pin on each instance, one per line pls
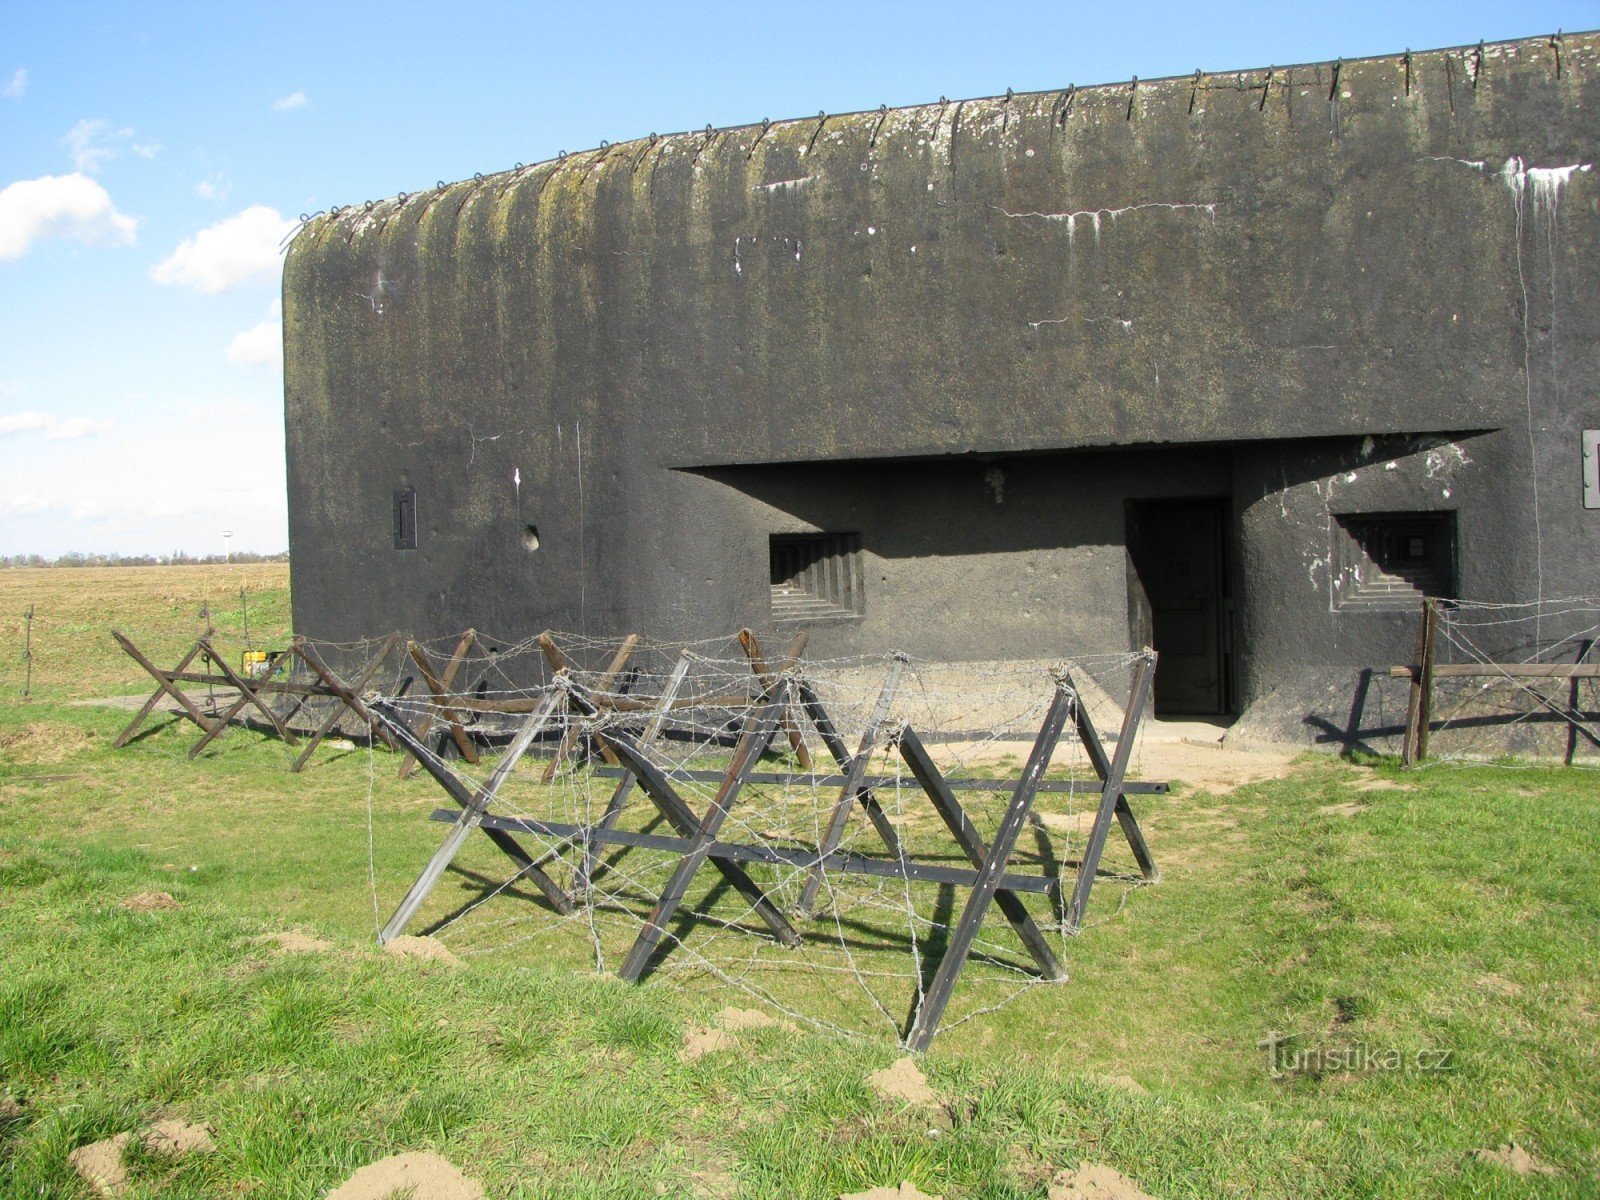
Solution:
(93, 143)
(292, 101)
(18, 84)
(74, 428)
(215, 188)
(228, 253)
(260, 345)
(24, 505)
(22, 422)
(59, 205)
(53, 428)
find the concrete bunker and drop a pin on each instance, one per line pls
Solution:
(1240, 366)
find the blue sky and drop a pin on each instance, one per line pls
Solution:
(153, 156)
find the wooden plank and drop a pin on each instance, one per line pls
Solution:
(247, 690)
(1112, 802)
(440, 686)
(1058, 786)
(473, 806)
(1508, 670)
(1095, 750)
(758, 664)
(624, 788)
(971, 843)
(758, 734)
(277, 659)
(348, 695)
(855, 771)
(126, 735)
(560, 662)
(163, 684)
(1413, 745)
(925, 1021)
(737, 852)
(276, 686)
(1430, 617)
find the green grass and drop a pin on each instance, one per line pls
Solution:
(1451, 912)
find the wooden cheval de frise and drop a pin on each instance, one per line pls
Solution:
(785, 696)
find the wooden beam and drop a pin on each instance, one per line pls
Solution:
(758, 664)
(163, 684)
(246, 696)
(349, 695)
(440, 686)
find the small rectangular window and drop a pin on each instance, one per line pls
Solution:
(816, 576)
(1390, 561)
(405, 519)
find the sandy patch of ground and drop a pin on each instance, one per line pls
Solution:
(737, 1020)
(1377, 783)
(1095, 1181)
(1515, 1159)
(100, 1164)
(178, 1137)
(419, 1176)
(150, 902)
(698, 1041)
(904, 1081)
(426, 948)
(1500, 985)
(1349, 808)
(1209, 768)
(292, 941)
(906, 1191)
(39, 743)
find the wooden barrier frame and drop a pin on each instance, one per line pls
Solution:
(991, 877)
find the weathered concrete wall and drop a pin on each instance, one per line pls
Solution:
(1321, 252)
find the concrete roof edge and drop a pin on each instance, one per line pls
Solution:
(1537, 39)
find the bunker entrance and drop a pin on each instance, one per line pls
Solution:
(1180, 601)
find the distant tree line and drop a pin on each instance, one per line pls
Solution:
(176, 559)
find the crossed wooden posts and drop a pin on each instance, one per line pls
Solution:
(695, 840)
(251, 691)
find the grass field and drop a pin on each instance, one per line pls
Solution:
(1429, 938)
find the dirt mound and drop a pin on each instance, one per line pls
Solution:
(737, 1020)
(407, 946)
(420, 1176)
(150, 902)
(292, 941)
(100, 1164)
(178, 1137)
(906, 1191)
(903, 1081)
(1515, 1159)
(1095, 1181)
(698, 1041)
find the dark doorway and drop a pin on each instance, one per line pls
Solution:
(1180, 602)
